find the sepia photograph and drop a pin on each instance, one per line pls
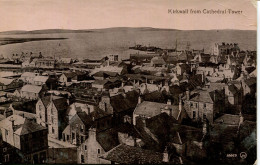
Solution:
(128, 82)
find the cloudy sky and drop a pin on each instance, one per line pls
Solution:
(91, 14)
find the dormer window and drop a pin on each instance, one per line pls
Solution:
(81, 128)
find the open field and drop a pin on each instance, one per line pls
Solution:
(98, 43)
(6, 41)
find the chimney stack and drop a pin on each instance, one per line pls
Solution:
(139, 100)
(180, 104)
(188, 94)
(169, 102)
(92, 133)
(241, 119)
(205, 128)
(12, 121)
(165, 155)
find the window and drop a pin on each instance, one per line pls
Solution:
(194, 115)
(40, 107)
(52, 120)
(68, 137)
(52, 130)
(63, 137)
(205, 105)
(81, 128)
(82, 159)
(7, 158)
(6, 133)
(5, 149)
(105, 105)
(98, 151)
(191, 104)
(204, 116)
(81, 139)
(85, 147)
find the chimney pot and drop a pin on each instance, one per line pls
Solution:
(165, 155)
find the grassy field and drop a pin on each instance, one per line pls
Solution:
(6, 41)
(99, 43)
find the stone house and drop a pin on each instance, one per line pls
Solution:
(124, 154)
(203, 104)
(148, 109)
(41, 109)
(56, 116)
(10, 84)
(233, 95)
(40, 80)
(27, 77)
(28, 137)
(119, 105)
(45, 63)
(157, 62)
(31, 92)
(67, 77)
(249, 86)
(97, 144)
(77, 130)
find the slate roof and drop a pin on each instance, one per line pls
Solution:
(105, 73)
(88, 119)
(108, 139)
(202, 96)
(164, 128)
(128, 129)
(101, 82)
(154, 96)
(224, 135)
(28, 74)
(113, 63)
(122, 103)
(60, 104)
(185, 133)
(158, 61)
(144, 77)
(125, 154)
(5, 81)
(251, 81)
(22, 125)
(46, 100)
(250, 69)
(228, 119)
(31, 88)
(41, 78)
(70, 74)
(150, 109)
(216, 86)
(98, 113)
(232, 88)
(29, 127)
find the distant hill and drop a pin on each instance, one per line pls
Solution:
(97, 43)
(45, 31)
(51, 31)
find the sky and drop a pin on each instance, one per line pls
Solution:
(96, 14)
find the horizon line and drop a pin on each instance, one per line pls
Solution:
(124, 27)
